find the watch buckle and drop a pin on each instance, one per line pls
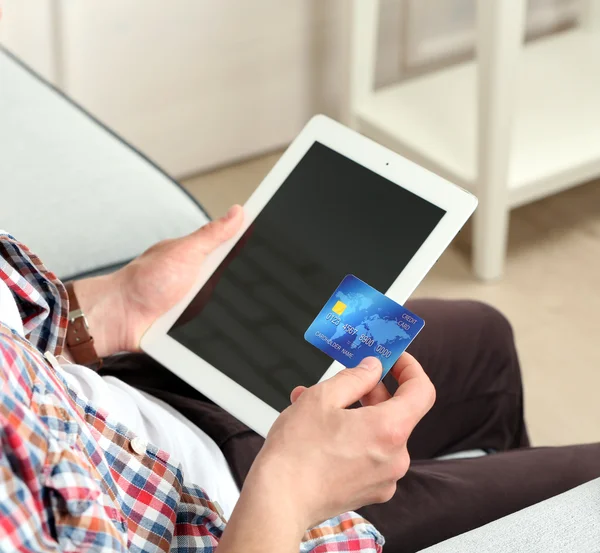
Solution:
(75, 314)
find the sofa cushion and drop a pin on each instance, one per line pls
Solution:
(73, 191)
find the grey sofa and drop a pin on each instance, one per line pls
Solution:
(87, 202)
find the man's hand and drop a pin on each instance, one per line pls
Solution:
(120, 307)
(321, 459)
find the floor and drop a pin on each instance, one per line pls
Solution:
(550, 293)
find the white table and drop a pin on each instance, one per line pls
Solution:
(520, 123)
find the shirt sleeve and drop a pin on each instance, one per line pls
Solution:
(21, 525)
(348, 533)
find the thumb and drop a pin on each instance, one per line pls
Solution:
(350, 385)
(213, 234)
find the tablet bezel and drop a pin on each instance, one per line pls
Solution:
(456, 202)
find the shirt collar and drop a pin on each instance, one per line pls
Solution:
(40, 296)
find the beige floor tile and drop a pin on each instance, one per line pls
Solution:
(550, 293)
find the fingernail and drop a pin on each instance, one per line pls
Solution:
(370, 364)
(231, 212)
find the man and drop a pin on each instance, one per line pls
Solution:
(74, 476)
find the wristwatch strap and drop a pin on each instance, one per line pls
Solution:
(79, 340)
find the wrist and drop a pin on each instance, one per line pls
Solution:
(280, 484)
(101, 300)
(265, 497)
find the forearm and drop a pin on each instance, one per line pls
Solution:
(264, 498)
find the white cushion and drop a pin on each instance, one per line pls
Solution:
(71, 190)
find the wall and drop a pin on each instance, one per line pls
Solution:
(198, 83)
(29, 28)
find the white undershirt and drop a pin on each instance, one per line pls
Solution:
(153, 420)
(9, 312)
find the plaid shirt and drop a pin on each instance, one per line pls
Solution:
(69, 478)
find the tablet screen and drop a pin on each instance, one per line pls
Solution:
(331, 217)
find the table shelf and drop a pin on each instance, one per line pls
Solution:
(556, 129)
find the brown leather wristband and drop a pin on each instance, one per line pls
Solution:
(79, 340)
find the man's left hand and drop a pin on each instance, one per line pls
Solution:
(121, 306)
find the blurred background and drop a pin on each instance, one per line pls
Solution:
(500, 97)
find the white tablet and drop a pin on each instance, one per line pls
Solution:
(336, 203)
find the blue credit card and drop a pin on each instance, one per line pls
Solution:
(358, 322)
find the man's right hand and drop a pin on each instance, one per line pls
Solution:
(330, 459)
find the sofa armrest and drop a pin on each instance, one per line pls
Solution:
(567, 522)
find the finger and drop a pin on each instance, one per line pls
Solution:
(297, 392)
(213, 234)
(350, 385)
(379, 394)
(415, 394)
(405, 361)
